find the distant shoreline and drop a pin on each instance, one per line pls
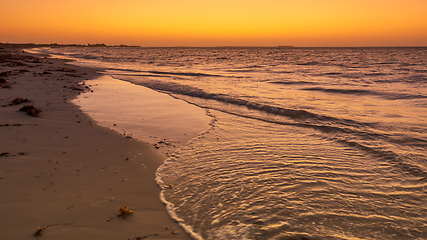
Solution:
(34, 45)
(96, 45)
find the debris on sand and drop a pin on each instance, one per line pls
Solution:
(4, 154)
(65, 70)
(4, 83)
(30, 110)
(80, 87)
(6, 74)
(164, 142)
(76, 88)
(23, 70)
(124, 212)
(8, 125)
(39, 231)
(18, 101)
(144, 237)
(3, 80)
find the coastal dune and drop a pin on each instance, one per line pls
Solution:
(61, 175)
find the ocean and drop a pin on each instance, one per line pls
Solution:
(305, 143)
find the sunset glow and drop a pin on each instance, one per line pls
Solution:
(217, 23)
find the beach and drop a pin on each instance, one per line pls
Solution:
(306, 143)
(245, 143)
(62, 176)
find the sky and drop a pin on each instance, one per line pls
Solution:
(203, 23)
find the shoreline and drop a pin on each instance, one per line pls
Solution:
(139, 112)
(62, 174)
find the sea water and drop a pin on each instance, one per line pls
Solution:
(305, 143)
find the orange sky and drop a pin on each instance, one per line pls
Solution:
(216, 23)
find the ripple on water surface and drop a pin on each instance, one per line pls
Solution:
(237, 181)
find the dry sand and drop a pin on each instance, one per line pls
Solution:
(64, 174)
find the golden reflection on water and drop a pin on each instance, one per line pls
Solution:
(277, 182)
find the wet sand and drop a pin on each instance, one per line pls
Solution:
(62, 176)
(139, 112)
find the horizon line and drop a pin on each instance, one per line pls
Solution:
(223, 46)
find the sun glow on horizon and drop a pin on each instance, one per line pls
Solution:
(235, 22)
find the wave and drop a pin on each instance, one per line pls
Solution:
(310, 63)
(299, 114)
(391, 96)
(240, 70)
(142, 75)
(80, 56)
(332, 73)
(376, 74)
(391, 157)
(343, 91)
(303, 118)
(192, 74)
(336, 128)
(418, 78)
(293, 82)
